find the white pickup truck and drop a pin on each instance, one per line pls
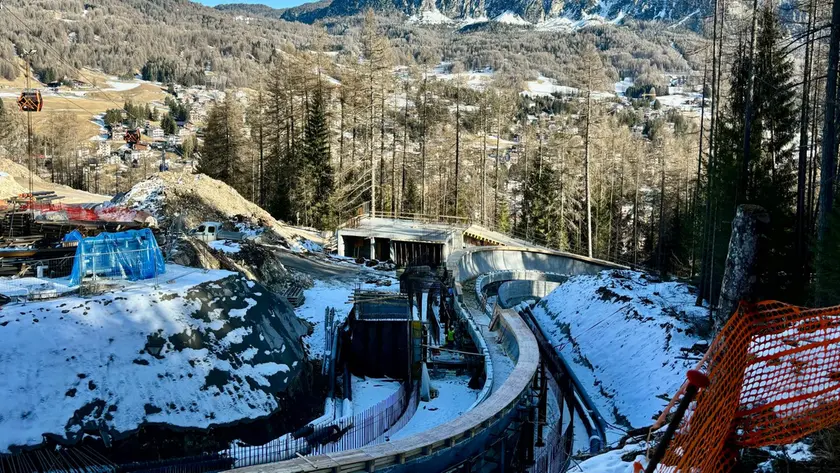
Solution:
(211, 231)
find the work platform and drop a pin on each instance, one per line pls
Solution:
(413, 241)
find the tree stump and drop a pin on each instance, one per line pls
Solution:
(740, 274)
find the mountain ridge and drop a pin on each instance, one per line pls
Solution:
(685, 12)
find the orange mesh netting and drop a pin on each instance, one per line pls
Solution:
(774, 372)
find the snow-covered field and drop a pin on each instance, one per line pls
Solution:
(430, 17)
(511, 18)
(76, 365)
(454, 398)
(117, 86)
(626, 338)
(368, 392)
(476, 80)
(544, 86)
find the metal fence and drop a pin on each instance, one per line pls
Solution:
(45, 278)
(555, 455)
(369, 427)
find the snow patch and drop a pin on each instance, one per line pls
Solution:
(511, 18)
(430, 17)
(225, 246)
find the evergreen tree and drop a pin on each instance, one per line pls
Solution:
(318, 175)
(223, 156)
(540, 220)
(168, 124)
(770, 176)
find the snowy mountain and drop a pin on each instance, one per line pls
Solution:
(517, 12)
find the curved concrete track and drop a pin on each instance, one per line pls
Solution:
(472, 432)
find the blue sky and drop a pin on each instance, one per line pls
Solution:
(271, 3)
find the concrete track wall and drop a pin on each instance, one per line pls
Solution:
(471, 433)
(514, 292)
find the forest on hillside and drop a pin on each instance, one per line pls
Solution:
(324, 134)
(183, 39)
(625, 184)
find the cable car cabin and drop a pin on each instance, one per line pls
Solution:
(30, 100)
(132, 136)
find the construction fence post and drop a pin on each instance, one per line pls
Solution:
(696, 382)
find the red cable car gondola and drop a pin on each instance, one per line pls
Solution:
(30, 100)
(132, 136)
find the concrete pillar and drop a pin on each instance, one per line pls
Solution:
(340, 240)
(392, 251)
(424, 305)
(372, 248)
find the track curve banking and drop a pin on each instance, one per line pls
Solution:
(472, 432)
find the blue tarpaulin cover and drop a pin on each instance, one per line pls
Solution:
(132, 255)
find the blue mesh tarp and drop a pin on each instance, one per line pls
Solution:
(132, 255)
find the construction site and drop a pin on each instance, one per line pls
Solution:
(178, 327)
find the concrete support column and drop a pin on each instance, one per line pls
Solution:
(340, 240)
(372, 248)
(424, 305)
(392, 251)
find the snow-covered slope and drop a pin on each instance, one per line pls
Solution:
(79, 365)
(510, 18)
(430, 17)
(628, 339)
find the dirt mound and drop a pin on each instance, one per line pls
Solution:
(18, 171)
(257, 262)
(198, 198)
(20, 174)
(9, 186)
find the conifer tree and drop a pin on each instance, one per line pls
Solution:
(223, 156)
(771, 172)
(318, 171)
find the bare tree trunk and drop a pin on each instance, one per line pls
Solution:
(496, 167)
(394, 161)
(457, 144)
(636, 213)
(483, 160)
(341, 137)
(829, 144)
(801, 222)
(707, 235)
(586, 168)
(405, 147)
(742, 192)
(423, 150)
(696, 197)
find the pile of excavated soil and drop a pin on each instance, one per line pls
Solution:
(20, 174)
(9, 186)
(197, 198)
(257, 262)
(228, 351)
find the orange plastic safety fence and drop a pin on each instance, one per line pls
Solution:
(774, 372)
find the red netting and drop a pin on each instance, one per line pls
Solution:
(774, 373)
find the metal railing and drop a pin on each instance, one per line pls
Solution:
(369, 427)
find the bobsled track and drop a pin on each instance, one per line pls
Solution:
(482, 437)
